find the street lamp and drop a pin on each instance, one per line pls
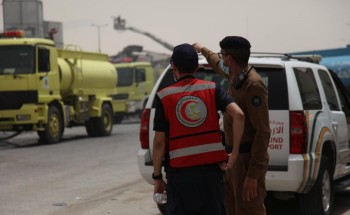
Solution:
(99, 34)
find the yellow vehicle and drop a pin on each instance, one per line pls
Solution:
(135, 83)
(44, 89)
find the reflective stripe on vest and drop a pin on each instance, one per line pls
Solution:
(196, 150)
(187, 88)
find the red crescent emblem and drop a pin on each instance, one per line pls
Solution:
(183, 111)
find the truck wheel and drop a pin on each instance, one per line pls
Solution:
(162, 208)
(53, 128)
(103, 125)
(319, 201)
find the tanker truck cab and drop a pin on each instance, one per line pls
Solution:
(44, 89)
(21, 71)
(135, 83)
(27, 81)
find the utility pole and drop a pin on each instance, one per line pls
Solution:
(120, 25)
(99, 34)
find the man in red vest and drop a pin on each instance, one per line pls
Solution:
(186, 123)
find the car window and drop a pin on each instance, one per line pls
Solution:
(140, 74)
(276, 83)
(17, 60)
(343, 96)
(167, 80)
(125, 77)
(210, 75)
(329, 90)
(203, 74)
(274, 79)
(308, 89)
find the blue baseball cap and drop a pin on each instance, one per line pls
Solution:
(185, 58)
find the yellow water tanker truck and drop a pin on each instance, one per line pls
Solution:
(135, 83)
(45, 89)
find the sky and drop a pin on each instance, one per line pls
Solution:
(270, 25)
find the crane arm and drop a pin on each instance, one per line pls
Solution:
(163, 43)
(119, 25)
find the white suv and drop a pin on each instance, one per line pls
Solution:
(309, 112)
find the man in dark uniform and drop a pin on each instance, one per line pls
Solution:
(187, 120)
(245, 189)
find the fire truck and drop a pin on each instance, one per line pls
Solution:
(135, 83)
(45, 89)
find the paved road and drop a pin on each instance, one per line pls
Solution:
(82, 176)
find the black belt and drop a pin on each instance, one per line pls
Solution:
(243, 148)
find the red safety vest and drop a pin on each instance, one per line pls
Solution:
(194, 131)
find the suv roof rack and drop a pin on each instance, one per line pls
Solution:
(312, 58)
(270, 54)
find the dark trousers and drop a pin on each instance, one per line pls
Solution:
(195, 191)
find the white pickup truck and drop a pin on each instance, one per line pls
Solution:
(309, 148)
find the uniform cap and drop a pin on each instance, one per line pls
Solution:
(185, 57)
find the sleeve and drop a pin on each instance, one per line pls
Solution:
(222, 98)
(213, 60)
(159, 122)
(258, 114)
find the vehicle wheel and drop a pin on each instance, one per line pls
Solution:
(162, 208)
(53, 128)
(101, 126)
(319, 201)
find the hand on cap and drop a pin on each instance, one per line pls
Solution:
(198, 46)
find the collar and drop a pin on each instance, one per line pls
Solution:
(185, 77)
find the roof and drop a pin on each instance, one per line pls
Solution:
(132, 64)
(328, 52)
(25, 41)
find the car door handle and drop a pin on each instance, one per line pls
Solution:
(335, 125)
